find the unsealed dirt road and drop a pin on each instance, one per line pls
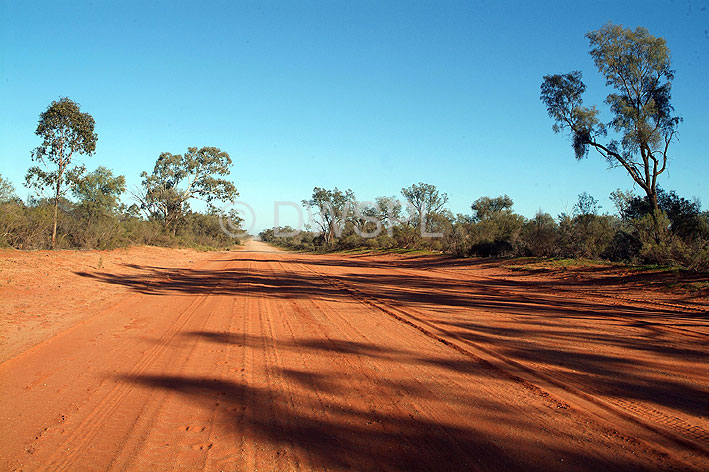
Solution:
(265, 360)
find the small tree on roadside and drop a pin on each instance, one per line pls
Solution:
(98, 193)
(637, 66)
(7, 191)
(497, 228)
(332, 207)
(177, 178)
(424, 199)
(388, 211)
(65, 132)
(540, 235)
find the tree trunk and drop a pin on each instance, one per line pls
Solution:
(56, 212)
(655, 210)
(653, 200)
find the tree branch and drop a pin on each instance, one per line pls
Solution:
(628, 166)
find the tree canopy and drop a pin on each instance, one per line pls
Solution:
(177, 178)
(98, 192)
(586, 205)
(636, 65)
(65, 132)
(423, 199)
(487, 207)
(7, 191)
(332, 207)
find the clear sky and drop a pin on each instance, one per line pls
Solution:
(368, 95)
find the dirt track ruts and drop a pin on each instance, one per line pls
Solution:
(265, 360)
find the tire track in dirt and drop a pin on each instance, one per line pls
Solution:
(583, 295)
(158, 277)
(233, 428)
(373, 393)
(622, 411)
(371, 389)
(608, 429)
(168, 421)
(77, 442)
(695, 432)
(698, 435)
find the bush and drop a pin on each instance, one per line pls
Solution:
(29, 227)
(677, 237)
(587, 235)
(624, 247)
(540, 236)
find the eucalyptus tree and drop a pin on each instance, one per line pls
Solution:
(486, 208)
(332, 208)
(98, 193)
(423, 200)
(66, 132)
(7, 191)
(388, 211)
(636, 65)
(177, 178)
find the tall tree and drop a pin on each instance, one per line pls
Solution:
(65, 132)
(332, 207)
(388, 211)
(636, 65)
(424, 199)
(177, 178)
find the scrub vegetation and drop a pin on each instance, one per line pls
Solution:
(74, 208)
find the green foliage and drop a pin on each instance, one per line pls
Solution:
(96, 220)
(388, 211)
(425, 201)
(65, 131)
(486, 208)
(540, 236)
(494, 229)
(586, 205)
(676, 234)
(563, 96)
(7, 191)
(332, 208)
(498, 235)
(99, 192)
(586, 236)
(303, 240)
(636, 65)
(622, 201)
(177, 178)
(686, 219)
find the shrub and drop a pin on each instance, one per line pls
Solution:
(540, 236)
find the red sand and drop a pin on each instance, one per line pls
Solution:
(158, 359)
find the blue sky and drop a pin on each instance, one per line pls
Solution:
(368, 95)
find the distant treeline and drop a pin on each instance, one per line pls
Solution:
(677, 235)
(74, 208)
(95, 219)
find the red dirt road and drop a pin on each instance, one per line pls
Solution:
(266, 360)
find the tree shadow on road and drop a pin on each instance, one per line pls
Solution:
(347, 435)
(618, 351)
